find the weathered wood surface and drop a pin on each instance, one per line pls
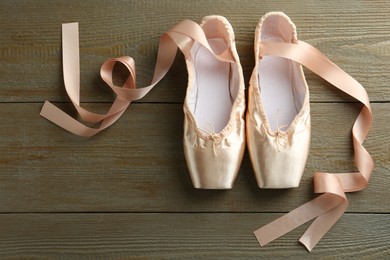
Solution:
(182, 236)
(138, 164)
(127, 192)
(353, 34)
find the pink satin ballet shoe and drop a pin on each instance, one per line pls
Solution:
(214, 128)
(214, 135)
(278, 116)
(278, 93)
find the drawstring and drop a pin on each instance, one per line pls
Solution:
(209, 130)
(281, 137)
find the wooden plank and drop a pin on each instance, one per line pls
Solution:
(218, 235)
(30, 49)
(138, 165)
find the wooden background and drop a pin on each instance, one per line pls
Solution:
(126, 192)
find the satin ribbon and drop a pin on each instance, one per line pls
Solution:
(182, 36)
(327, 208)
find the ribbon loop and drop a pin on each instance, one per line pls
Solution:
(331, 205)
(180, 36)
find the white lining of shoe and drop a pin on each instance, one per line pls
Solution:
(278, 81)
(213, 102)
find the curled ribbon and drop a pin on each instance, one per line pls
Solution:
(182, 36)
(327, 208)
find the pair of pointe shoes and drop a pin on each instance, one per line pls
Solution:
(278, 114)
(277, 121)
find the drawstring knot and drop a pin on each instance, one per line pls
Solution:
(281, 137)
(215, 137)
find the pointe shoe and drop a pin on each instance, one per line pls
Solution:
(278, 116)
(214, 126)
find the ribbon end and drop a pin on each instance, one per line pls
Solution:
(306, 242)
(46, 110)
(262, 242)
(70, 24)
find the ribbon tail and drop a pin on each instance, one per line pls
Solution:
(296, 218)
(321, 225)
(62, 119)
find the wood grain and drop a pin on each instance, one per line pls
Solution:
(30, 49)
(138, 164)
(183, 236)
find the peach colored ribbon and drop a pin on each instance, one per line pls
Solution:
(182, 36)
(331, 205)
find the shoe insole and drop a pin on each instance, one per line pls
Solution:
(275, 81)
(213, 103)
